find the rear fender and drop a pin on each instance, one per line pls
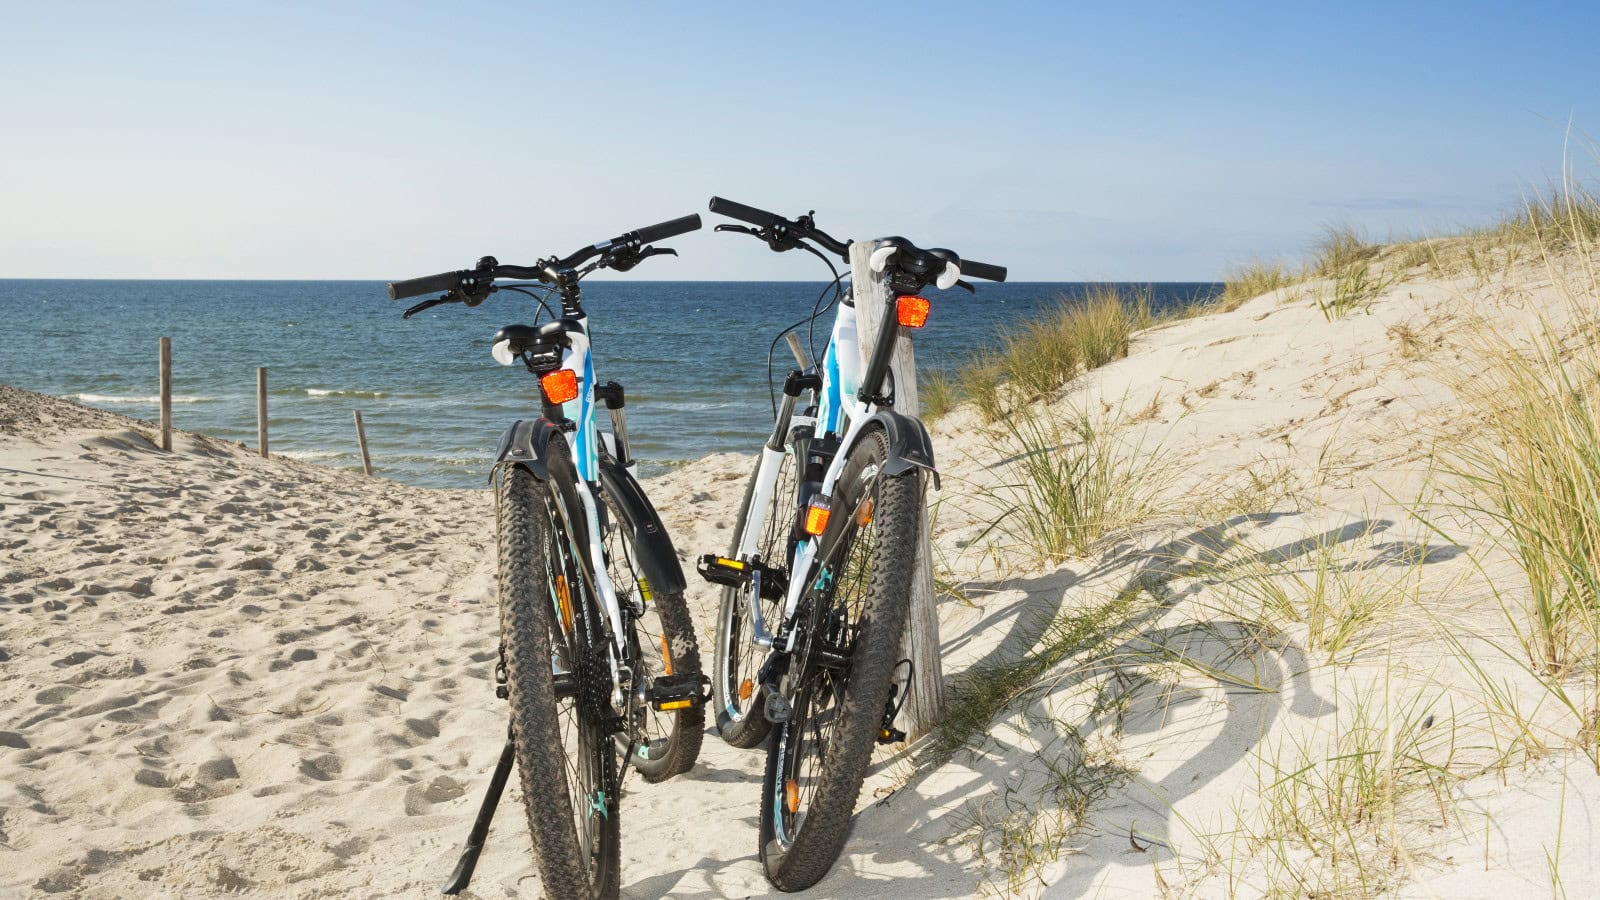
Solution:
(657, 558)
(524, 444)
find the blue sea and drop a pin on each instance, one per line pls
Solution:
(691, 355)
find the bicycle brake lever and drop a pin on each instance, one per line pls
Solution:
(426, 304)
(737, 228)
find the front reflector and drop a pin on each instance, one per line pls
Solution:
(912, 311)
(817, 516)
(560, 385)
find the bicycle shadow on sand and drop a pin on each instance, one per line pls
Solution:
(939, 816)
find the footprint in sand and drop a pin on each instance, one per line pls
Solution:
(421, 798)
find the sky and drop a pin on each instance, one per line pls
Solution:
(1068, 141)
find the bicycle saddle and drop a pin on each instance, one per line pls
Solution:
(512, 340)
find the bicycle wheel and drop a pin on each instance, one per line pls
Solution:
(840, 675)
(661, 643)
(550, 631)
(734, 691)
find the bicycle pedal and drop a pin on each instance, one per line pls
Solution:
(737, 574)
(778, 710)
(722, 570)
(684, 691)
(890, 736)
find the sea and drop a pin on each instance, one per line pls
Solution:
(692, 357)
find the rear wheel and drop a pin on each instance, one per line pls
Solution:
(735, 692)
(557, 672)
(839, 678)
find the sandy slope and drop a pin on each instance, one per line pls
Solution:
(225, 675)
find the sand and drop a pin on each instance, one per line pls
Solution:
(229, 676)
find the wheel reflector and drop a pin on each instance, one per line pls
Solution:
(864, 513)
(666, 656)
(564, 596)
(791, 795)
(746, 688)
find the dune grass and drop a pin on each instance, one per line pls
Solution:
(1037, 358)
(1250, 281)
(1073, 479)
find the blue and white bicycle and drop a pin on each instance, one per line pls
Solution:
(818, 583)
(597, 650)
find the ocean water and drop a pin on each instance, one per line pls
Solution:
(691, 355)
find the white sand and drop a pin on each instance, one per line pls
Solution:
(230, 676)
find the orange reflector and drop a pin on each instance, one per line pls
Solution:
(817, 515)
(666, 655)
(564, 596)
(676, 704)
(791, 795)
(746, 688)
(912, 311)
(864, 512)
(560, 385)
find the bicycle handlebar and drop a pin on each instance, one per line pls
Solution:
(624, 243)
(427, 284)
(757, 217)
(781, 233)
(664, 230)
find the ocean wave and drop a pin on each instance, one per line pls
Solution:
(309, 455)
(329, 392)
(117, 398)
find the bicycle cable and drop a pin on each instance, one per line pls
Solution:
(817, 309)
(540, 299)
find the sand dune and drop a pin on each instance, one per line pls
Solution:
(233, 676)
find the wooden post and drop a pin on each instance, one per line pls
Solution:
(361, 439)
(166, 393)
(925, 706)
(261, 410)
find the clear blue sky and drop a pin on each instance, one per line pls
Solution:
(1069, 141)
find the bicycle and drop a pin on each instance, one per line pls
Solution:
(823, 554)
(597, 651)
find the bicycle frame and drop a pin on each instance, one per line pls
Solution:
(583, 441)
(838, 406)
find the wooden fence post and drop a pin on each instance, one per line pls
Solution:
(925, 706)
(261, 410)
(166, 393)
(361, 439)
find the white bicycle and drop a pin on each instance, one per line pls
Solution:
(597, 650)
(818, 582)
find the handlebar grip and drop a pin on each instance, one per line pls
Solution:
(428, 284)
(757, 217)
(670, 229)
(983, 270)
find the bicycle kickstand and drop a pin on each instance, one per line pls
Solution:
(480, 827)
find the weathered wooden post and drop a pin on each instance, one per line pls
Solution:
(925, 706)
(261, 410)
(361, 440)
(166, 393)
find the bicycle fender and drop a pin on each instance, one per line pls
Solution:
(910, 447)
(659, 559)
(524, 443)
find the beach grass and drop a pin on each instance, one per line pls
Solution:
(1075, 476)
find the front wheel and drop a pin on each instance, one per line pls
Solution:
(734, 689)
(552, 645)
(817, 760)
